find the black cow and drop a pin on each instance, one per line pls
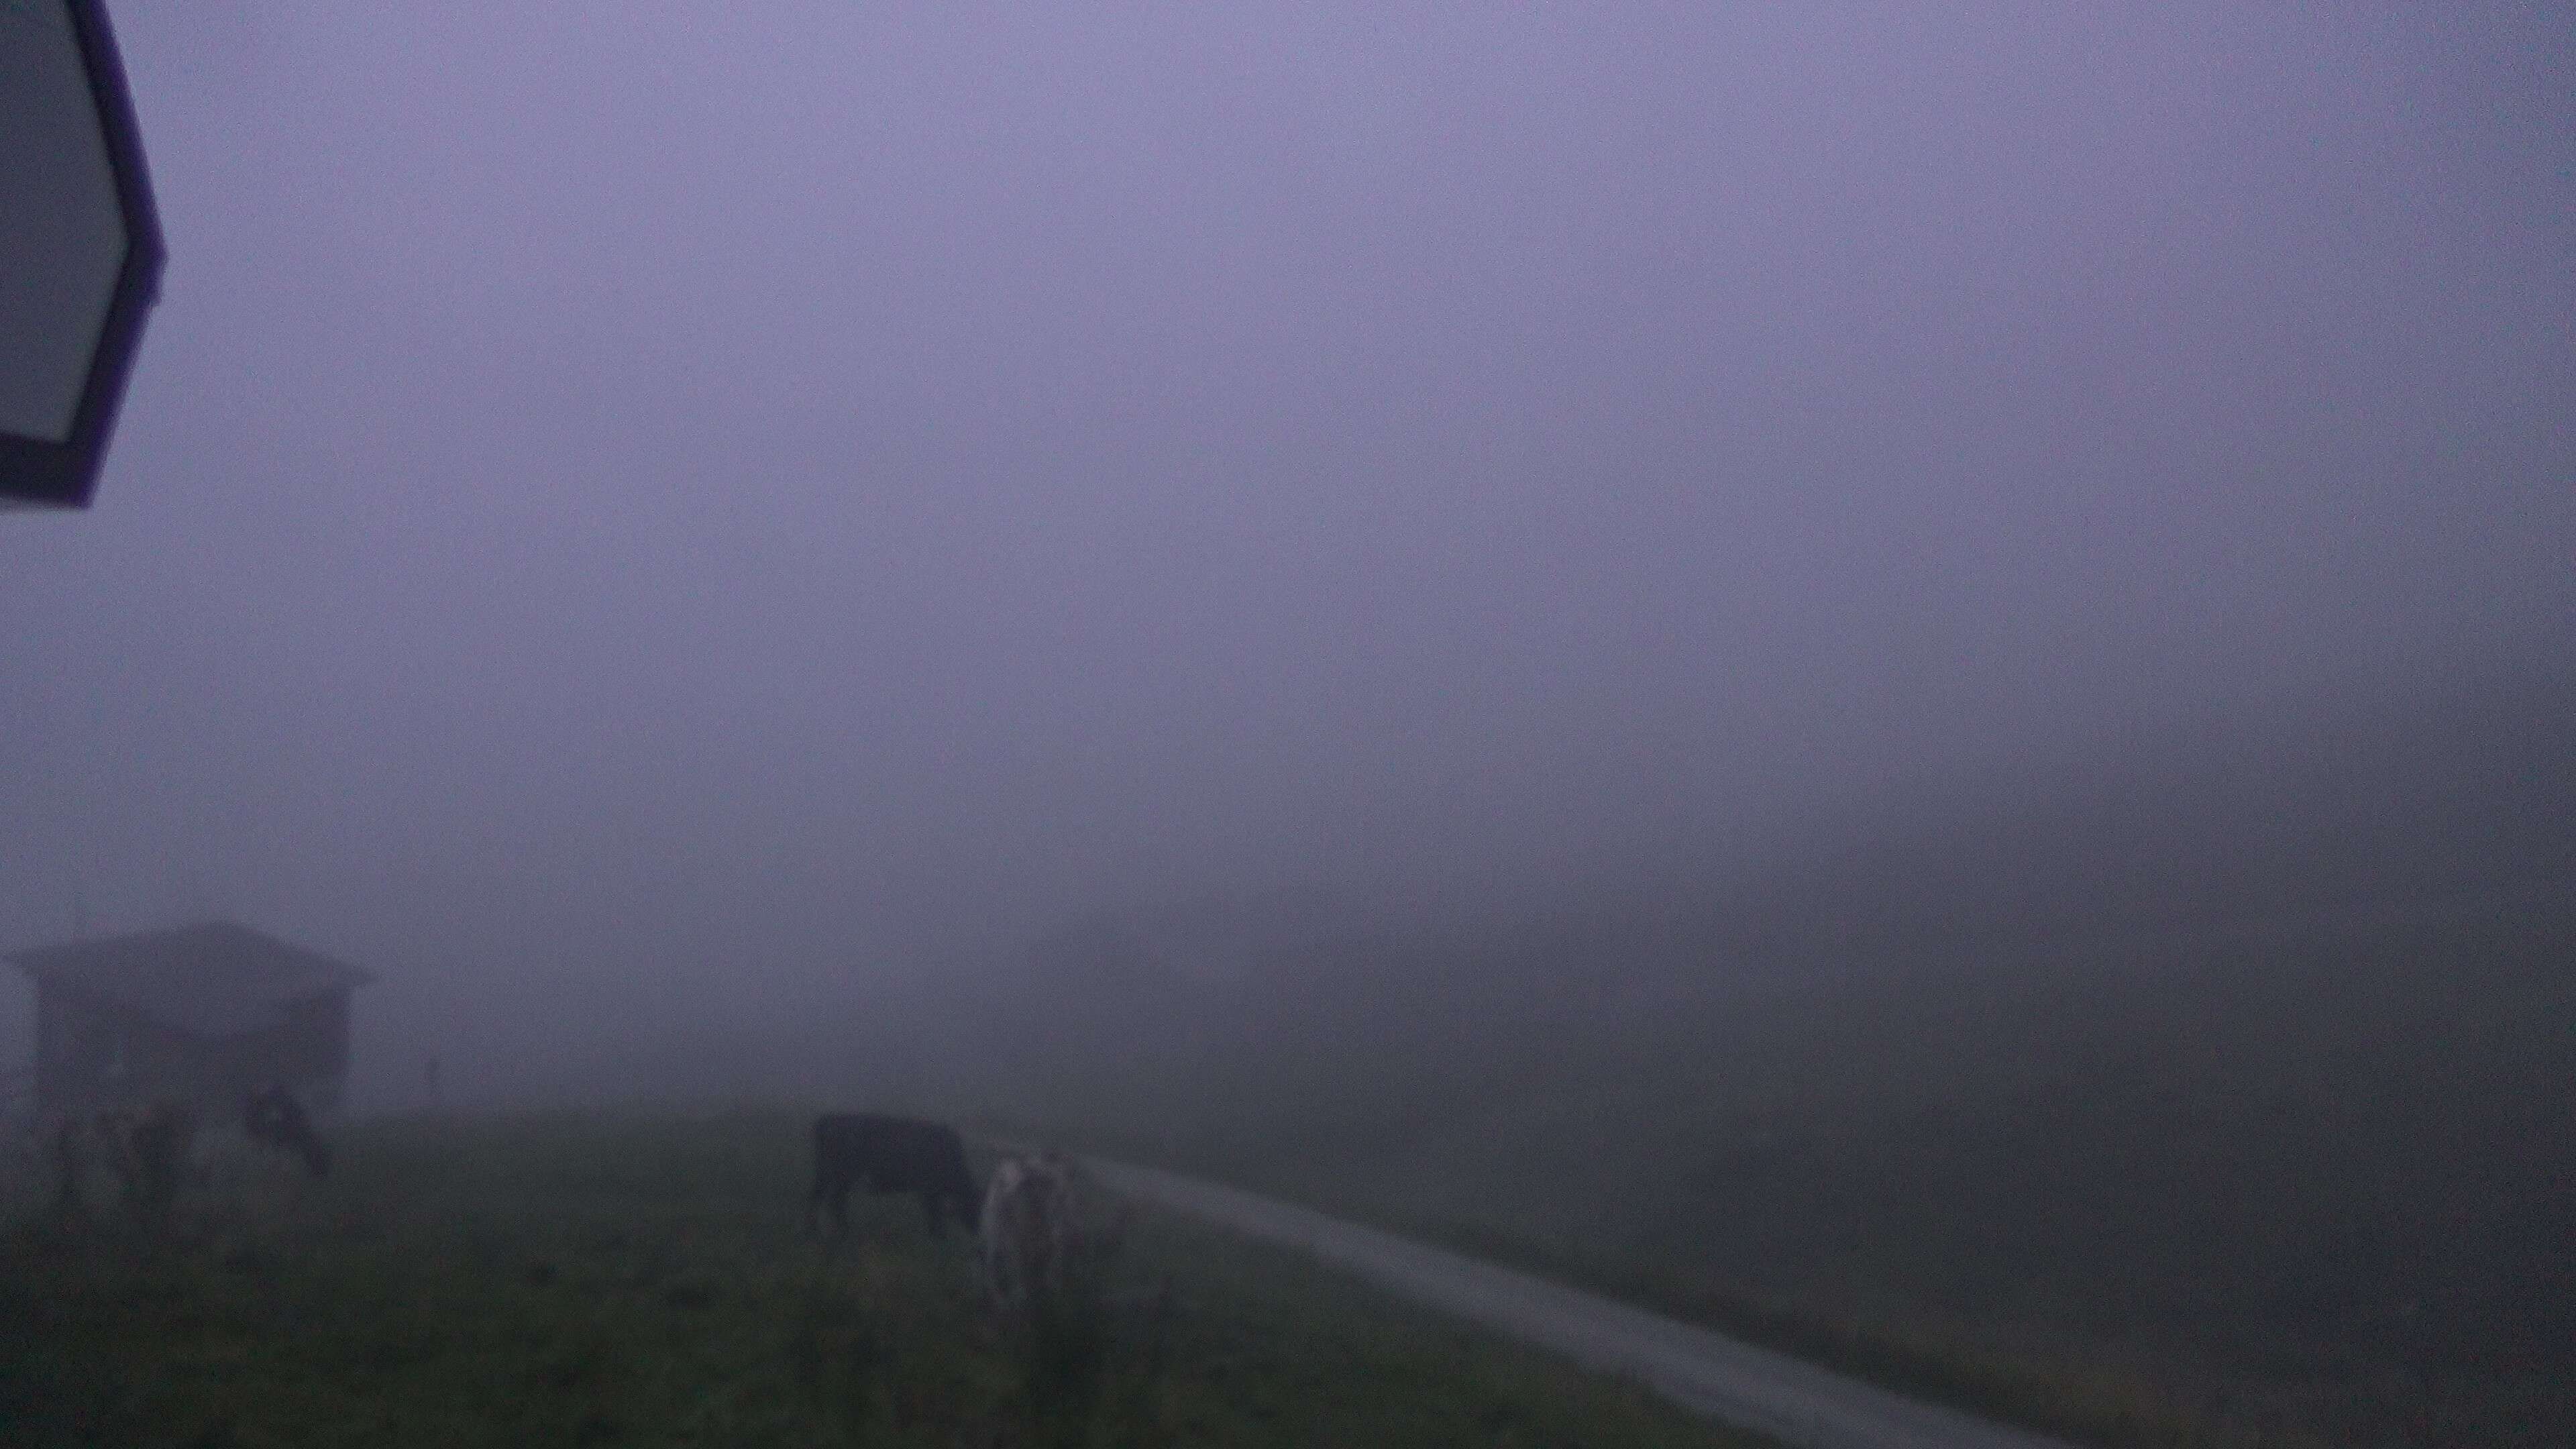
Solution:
(890, 1154)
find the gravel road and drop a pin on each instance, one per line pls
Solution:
(1731, 1381)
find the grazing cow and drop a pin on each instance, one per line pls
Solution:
(1029, 1233)
(272, 1115)
(890, 1154)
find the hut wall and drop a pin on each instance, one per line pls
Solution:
(92, 1054)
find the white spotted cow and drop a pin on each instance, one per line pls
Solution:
(1040, 1237)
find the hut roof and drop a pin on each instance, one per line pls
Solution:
(214, 979)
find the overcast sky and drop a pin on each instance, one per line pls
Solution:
(660, 494)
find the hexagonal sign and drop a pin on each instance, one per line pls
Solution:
(80, 248)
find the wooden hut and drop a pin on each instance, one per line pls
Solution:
(200, 1015)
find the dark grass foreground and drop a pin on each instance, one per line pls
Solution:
(2067, 1394)
(2281, 1179)
(630, 1280)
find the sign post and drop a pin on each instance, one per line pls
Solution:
(80, 248)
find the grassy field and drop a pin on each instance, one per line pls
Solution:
(2279, 1181)
(600, 1280)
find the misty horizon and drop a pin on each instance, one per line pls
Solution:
(725, 516)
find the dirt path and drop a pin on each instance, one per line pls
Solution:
(1733, 1382)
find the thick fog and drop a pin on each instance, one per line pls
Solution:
(639, 520)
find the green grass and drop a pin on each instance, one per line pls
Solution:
(600, 1280)
(2086, 1402)
(2083, 1401)
(2268, 1182)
